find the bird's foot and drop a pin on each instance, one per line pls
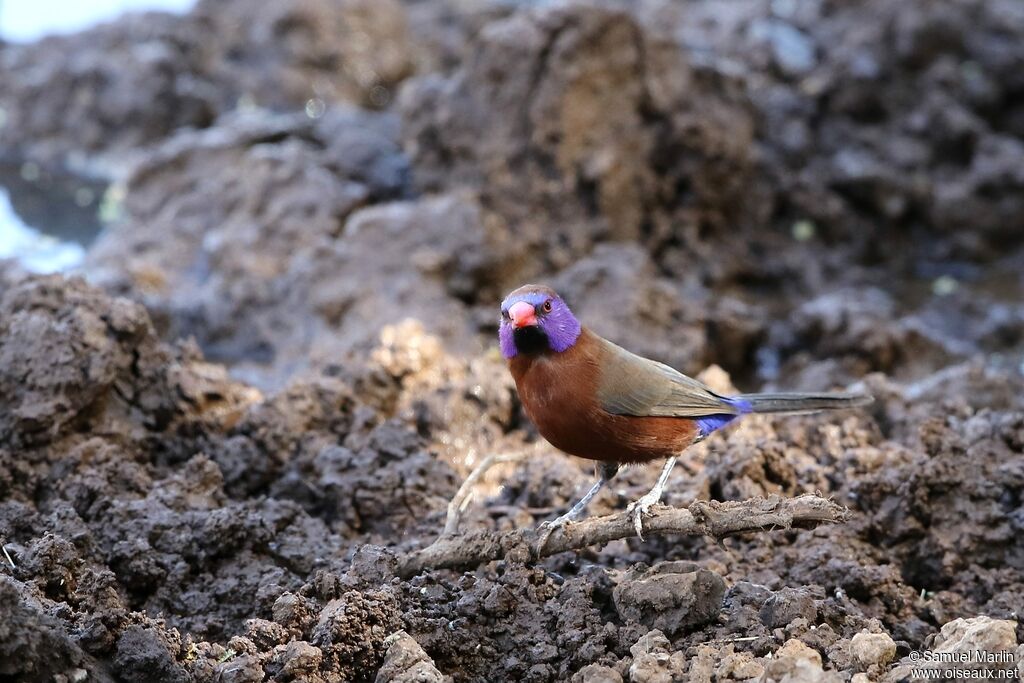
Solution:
(547, 528)
(640, 508)
(643, 505)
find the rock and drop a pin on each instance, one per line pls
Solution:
(979, 646)
(787, 605)
(996, 167)
(445, 237)
(977, 634)
(294, 612)
(352, 631)
(243, 668)
(739, 665)
(48, 327)
(652, 662)
(670, 596)
(795, 650)
(54, 563)
(33, 644)
(144, 654)
(595, 673)
(840, 321)
(406, 662)
(794, 662)
(300, 660)
(371, 566)
(873, 649)
(265, 635)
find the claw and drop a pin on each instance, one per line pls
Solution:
(638, 509)
(547, 528)
(643, 505)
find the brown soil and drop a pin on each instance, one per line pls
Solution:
(281, 360)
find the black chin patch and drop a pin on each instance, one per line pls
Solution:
(530, 340)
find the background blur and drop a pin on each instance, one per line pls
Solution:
(766, 149)
(22, 21)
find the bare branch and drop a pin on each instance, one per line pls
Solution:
(701, 518)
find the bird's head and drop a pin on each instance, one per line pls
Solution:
(534, 319)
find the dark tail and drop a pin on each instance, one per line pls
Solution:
(803, 403)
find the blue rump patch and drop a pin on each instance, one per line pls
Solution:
(710, 423)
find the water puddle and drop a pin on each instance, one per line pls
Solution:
(47, 217)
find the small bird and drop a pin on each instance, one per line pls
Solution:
(593, 399)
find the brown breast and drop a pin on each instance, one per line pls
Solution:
(558, 393)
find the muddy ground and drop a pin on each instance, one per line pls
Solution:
(279, 359)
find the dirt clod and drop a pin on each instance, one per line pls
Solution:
(872, 649)
(670, 596)
(406, 662)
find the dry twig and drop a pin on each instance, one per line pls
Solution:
(464, 496)
(8, 555)
(701, 518)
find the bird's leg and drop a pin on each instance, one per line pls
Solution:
(607, 470)
(640, 507)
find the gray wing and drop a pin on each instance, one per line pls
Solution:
(633, 385)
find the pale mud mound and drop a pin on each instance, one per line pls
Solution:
(251, 264)
(319, 245)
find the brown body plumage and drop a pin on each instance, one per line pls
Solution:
(596, 400)
(559, 392)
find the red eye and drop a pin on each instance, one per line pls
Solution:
(547, 306)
